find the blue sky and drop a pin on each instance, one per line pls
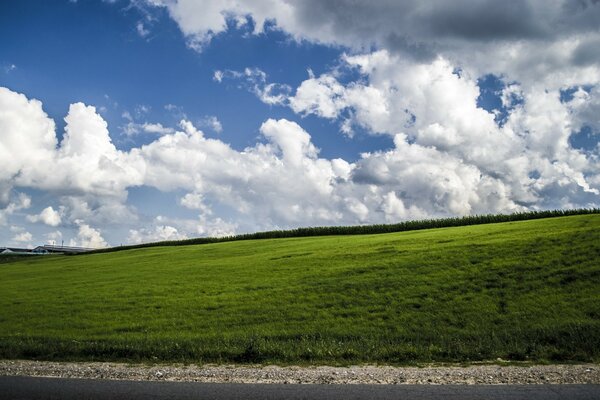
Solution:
(94, 50)
(225, 117)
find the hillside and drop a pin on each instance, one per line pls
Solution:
(527, 290)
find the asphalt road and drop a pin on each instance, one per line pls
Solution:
(59, 388)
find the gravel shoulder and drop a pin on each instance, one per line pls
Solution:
(476, 374)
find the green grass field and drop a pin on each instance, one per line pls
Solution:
(526, 290)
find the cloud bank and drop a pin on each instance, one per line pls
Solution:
(449, 158)
(415, 68)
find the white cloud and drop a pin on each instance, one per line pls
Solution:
(54, 238)
(28, 137)
(97, 210)
(419, 87)
(141, 30)
(212, 122)
(585, 107)
(164, 228)
(15, 202)
(255, 81)
(158, 234)
(88, 237)
(195, 201)
(218, 76)
(293, 141)
(141, 110)
(201, 21)
(21, 202)
(215, 227)
(552, 44)
(23, 238)
(437, 108)
(323, 96)
(449, 158)
(87, 160)
(156, 128)
(430, 182)
(132, 128)
(250, 180)
(395, 210)
(48, 216)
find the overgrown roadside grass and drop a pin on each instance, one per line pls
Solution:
(527, 290)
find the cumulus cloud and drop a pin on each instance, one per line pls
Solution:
(323, 96)
(87, 160)
(449, 157)
(132, 128)
(437, 107)
(418, 66)
(88, 237)
(215, 227)
(200, 22)
(54, 238)
(23, 238)
(585, 107)
(244, 180)
(523, 33)
(156, 128)
(164, 228)
(28, 135)
(158, 234)
(48, 216)
(212, 122)
(85, 168)
(195, 201)
(13, 203)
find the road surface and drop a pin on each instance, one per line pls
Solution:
(32, 388)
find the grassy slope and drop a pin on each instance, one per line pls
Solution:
(518, 290)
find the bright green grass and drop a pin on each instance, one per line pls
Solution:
(525, 290)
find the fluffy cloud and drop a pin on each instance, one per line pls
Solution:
(86, 160)
(530, 38)
(585, 107)
(418, 66)
(286, 168)
(54, 238)
(14, 203)
(28, 136)
(158, 234)
(323, 96)
(201, 21)
(450, 157)
(88, 237)
(48, 216)
(85, 171)
(437, 108)
(430, 182)
(23, 238)
(212, 122)
(164, 228)
(156, 128)
(255, 80)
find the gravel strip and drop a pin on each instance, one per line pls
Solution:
(477, 374)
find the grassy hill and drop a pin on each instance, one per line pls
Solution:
(527, 290)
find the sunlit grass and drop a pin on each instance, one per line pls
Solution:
(525, 290)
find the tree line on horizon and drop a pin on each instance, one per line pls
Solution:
(366, 229)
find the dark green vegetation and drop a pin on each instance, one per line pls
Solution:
(527, 290)
(368, 229)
